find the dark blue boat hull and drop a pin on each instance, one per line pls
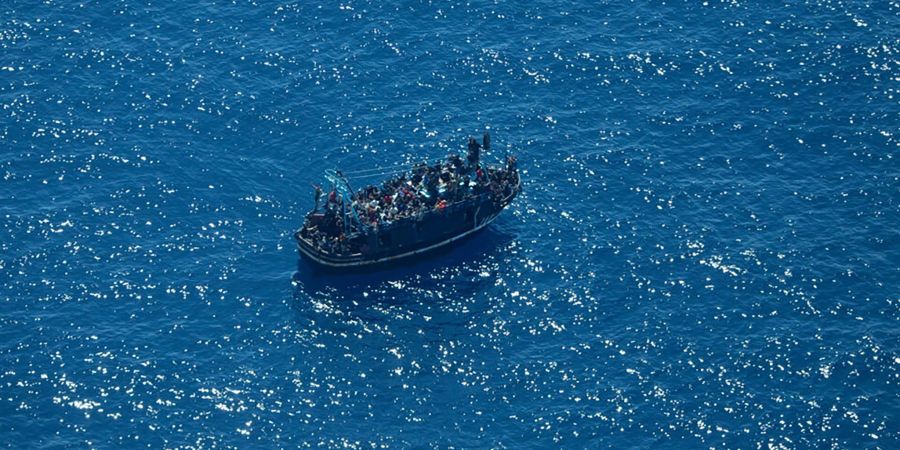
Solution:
(414, 236)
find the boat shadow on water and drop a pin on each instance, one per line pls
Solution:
(311, 278)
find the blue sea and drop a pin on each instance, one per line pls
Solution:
(706, 252)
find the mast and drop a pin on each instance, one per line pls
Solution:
(342, 186)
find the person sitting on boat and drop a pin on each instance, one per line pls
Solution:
(431, 181)
(342, 245)
(372, 213)
(456, 163)
(420, 170)
(328, 224)
(451, 189)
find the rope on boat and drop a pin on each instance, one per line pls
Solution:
(354, 176)
(387, 169)
(397, 169)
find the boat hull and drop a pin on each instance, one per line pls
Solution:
(415, 237)
(324, 260)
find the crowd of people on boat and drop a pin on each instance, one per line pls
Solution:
(427, 187)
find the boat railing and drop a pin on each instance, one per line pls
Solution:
(438, 210)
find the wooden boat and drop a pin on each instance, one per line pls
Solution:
(419, 209)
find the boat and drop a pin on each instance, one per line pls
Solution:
(418, 208)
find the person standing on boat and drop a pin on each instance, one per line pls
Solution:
(335, 200)
(511, 164)
(474, 153)
(318, 197)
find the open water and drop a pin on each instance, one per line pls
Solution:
(706, 253)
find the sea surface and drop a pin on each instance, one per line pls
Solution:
(706, 253)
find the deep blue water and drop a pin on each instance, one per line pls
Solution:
(706, 252)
